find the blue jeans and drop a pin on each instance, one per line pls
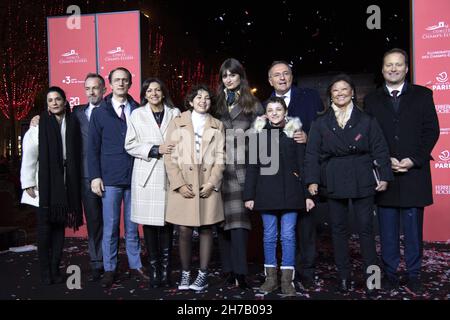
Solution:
(412, 222)
(288, 223)
(112, 201)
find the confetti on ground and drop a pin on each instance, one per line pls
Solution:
(20, 278)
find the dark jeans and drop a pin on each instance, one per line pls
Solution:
(50, 238)
(92, 205)
(363, 213)
(233, 250)
(412, 222)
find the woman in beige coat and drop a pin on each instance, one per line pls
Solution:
(194, 170)
(145, 141)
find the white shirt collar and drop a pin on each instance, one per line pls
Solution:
(287, 96)
(89, 109)
(116, 105)
(399, 89)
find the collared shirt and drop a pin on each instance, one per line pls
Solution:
(89, 109)
(400, 89)
(287, 97)
(116, 105)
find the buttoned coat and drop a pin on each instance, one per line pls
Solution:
(148, 180)
(236, 123)
(341, 161)
(185, 168)
(412, 132)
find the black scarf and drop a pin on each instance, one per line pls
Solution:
(61, 199)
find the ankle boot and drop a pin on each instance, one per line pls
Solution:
(166, 268)
(271, 283)
(287, 281)
(241, 282)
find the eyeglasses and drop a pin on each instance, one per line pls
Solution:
(285, 74)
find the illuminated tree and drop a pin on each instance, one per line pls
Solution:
(23, 57)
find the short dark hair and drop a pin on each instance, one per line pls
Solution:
(340, 77)
(279, 62)
(275, 99)
(58, 90)
(120, 69)
(397, 50)
(166, 97)
(194, 91)
(95, 75)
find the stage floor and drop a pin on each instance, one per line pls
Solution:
(19, 278)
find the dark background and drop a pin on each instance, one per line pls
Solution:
(316, 37)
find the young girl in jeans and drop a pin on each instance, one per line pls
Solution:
(276, 189)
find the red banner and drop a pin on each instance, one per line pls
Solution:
(71, 55)
(118, 45)
(431, 65)
(101, 43)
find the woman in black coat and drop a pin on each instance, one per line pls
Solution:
(348, 158)
(274, 186)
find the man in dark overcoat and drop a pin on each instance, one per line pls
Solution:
(407, 116)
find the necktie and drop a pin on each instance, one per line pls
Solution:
(395, 100)
(122, 115)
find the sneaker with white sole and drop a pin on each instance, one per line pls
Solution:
(185, 279)
(201, 283)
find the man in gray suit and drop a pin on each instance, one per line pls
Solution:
(95, 88)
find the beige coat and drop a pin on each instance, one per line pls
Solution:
(148, 182)
(183, 167)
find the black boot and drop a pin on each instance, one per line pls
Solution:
(151, 241)
(154, 272)
(242, 282)
(166, 268)
(45, 276)
(166, 235)
(57, 277)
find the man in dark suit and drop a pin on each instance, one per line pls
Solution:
(110, 168)
(94, 86)
(303, 103)
(407, 116)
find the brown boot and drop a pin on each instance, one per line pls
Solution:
(287, 283)
(271, 282)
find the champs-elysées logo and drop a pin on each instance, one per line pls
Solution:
(437, 30)
(71, 56)
(442, 189)
(118, 54)
(444, 160)
(440, 83)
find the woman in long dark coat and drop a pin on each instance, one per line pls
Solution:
(57, 159)
(344, 146)
(237, 108)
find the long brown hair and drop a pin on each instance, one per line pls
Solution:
(247, 101)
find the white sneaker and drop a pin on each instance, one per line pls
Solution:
(185, 279)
